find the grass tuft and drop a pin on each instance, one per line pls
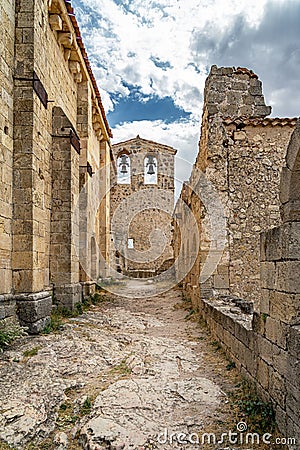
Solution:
(260, 415)
(61, 312)
(9, 331)
(32, 352)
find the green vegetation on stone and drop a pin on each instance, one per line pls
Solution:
(9, 331)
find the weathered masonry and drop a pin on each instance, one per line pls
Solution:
(54, 138)
(142, 203)
(251, 298)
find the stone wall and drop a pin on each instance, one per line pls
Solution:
(251, 164)
(143, 212)
(7, 20)
(59, 140)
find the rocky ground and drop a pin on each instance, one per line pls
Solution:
(126, 374)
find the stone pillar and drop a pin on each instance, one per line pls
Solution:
(107, 254)
(278, 323)
(30, 283)
(64, 261)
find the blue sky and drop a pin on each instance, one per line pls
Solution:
(151, 58)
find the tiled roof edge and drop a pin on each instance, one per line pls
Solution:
(71, 14)
(263, 121)
(168, 147)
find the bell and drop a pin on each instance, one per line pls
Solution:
(124, 159)
(150, 170)
(124, 169)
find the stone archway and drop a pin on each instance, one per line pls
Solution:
(290, 180)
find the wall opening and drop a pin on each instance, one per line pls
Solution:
(123, 169)
(130, 243)
(150, 170)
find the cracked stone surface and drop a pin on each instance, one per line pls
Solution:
(143, 365)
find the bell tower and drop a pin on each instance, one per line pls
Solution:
(142, 203)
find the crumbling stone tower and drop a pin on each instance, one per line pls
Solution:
(142, 202)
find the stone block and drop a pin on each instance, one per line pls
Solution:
(263, 110)
(22, 280)
(259, 100)
(248, 360)
(221, 281)
(290, 240)
(277, 388)
(238, 86)
(293, 371)
(272, 242)
(264, 305)
(68, 294)
(285, 307)
(287, 276)
(243, 334)
(34, 310)
(22, 260)
(280, 362)
(259, 323)
(263, 373)
(239, 136)
(255, 87)
(264, 349)
(293, 407)
(38, 326)
(55, 22)
(293, 341)
(246, 110)
(267, 275)
(7, 306)
(276, 332)
(284, 193)
(32, 307)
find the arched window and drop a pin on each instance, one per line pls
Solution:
(123, 169)
(150, 170)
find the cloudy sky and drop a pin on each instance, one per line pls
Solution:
(151, 58)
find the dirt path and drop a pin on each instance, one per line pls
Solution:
(126, 374)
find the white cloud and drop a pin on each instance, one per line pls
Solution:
(157, 30)
(126, 44)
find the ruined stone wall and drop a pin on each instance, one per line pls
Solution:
(253, 165)
(241, 155)
(265, 345)
(139, 210)
(7, 21)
